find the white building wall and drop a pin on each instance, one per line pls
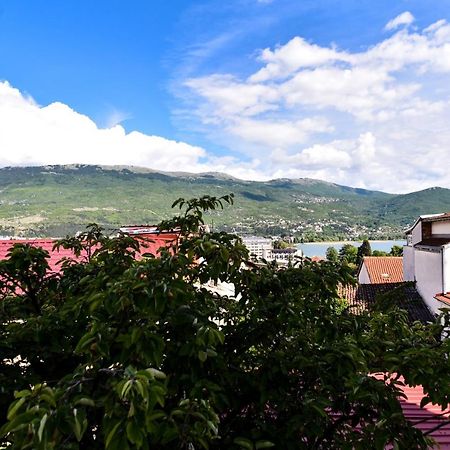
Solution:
(408, 263)
(417, 234)
(363, 276)
(446, 268)
(440, 228)
(428, 269)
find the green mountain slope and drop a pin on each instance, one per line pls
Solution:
(56, 200)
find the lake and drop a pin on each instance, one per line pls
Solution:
(320, 248)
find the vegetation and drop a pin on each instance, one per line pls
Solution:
(45, 201)
(332, 255)
(119, 353)
(363, 250)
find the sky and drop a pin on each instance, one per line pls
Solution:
(354, 92)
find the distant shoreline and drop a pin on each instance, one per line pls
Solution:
(348, 242)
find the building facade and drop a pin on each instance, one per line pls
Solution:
(426, 259)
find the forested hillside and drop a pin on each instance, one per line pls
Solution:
(56, 200)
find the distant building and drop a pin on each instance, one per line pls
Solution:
(259, 247)
(380, 270)
(285, 255)
(426, 259)
(262, 248)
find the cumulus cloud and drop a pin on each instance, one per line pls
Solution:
(375, 118)
(56, 134)
(405, 18)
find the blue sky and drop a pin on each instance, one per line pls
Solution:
(187, 85)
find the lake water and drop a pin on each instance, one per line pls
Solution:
(320, 248)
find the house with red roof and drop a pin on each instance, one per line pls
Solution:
(426, 259)
(381, 270)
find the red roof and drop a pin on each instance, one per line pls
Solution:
(384, 269)
(430, 418)
(443, 297)
(46, 244)
(150, 243)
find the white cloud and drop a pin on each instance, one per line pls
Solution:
(405, 18)
(376, 118)
(297, 53)
(56, 134)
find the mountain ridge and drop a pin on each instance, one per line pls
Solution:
(55, 200)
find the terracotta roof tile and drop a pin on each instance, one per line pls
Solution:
(362, 298)
(384, 269)
(443, 297)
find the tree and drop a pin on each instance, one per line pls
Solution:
(396, 250)
(332, 254)
(363, 250)
(348, 253)
(379, 253)
(120, 353)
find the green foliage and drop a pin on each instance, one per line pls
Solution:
(332, 254)
(281, 244)
(120, 353)
(348, 253)
(379, 253)
(363, 250)
(396, 250)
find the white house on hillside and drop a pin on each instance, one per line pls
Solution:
(426, 259)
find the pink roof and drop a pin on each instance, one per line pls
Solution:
(46, 244)
(431, 418)
(150, 243)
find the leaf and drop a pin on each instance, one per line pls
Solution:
(425, 400)
(85, 401)
(126, 387)
(244, 442)
(15, 407)
(140, 388)
(202, 355)
(76, 426)
(42, 426)
(134, 433)
(264, 444)
(157, 373)
(111, 434)
(87, 339)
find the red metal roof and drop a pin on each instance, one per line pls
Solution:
(430, 419)
(384, 269)
(46, 244)
(150, 243)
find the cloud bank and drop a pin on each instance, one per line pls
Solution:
(378, 118)
(31, 134)
(56, 134)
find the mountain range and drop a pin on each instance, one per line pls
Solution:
(59, 200)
